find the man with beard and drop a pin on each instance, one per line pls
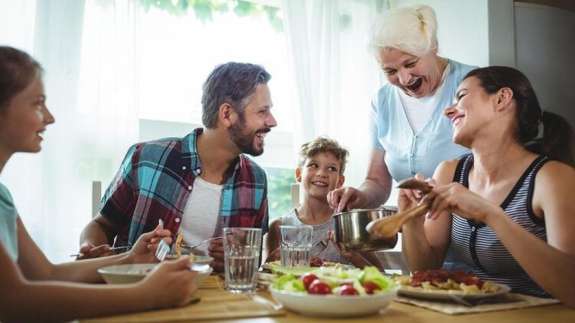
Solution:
(198, 184)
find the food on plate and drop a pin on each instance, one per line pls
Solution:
(276, 267)
(307, 279)
(319, 287)
(443, 280)
(317, 262)
(336, 281)
(178, 244)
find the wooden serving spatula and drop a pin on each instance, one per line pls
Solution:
(389, 226)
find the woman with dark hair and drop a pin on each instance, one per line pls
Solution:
(32, 288)
(503, 211)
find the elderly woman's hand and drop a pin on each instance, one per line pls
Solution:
(456, 198)
(346, 198)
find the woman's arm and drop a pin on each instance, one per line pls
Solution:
(551, 264)
(35, 266)
(24, 301)
(425, 241)
(377, 184)
(373, 192)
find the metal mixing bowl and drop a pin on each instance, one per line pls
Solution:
(350, 230)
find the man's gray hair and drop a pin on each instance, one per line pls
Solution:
(231, 83)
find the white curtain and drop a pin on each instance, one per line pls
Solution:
(336, 74)
(78, 43)
(93, 53)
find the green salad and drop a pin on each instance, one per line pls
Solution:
(336, 281)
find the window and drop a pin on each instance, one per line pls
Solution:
(168, 49)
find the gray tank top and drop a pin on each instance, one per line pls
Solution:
(475, 247)
(323, 248)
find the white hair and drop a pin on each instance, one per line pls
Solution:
(410, 29)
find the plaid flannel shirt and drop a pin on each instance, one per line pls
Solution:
(155, 181)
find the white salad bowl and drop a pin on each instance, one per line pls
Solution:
(334, 305)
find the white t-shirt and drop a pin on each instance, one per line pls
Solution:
(419, 110)
(201, 212)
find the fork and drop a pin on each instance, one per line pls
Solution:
(163, 247)
(195, 245)
(113, 249)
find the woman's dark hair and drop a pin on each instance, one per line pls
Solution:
(17, 70)
(556, 140)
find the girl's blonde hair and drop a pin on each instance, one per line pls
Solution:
(410, 29)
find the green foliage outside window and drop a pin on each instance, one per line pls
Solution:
(204, 10)
(279, 190)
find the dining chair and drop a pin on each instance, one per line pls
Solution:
(96, 196)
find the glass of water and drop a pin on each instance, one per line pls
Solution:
(241, 258)
(296, 244)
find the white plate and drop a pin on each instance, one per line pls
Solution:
(444, 295)
(126, 274)
(333, 305)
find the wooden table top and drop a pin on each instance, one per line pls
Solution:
(396, 313)
(403, 313)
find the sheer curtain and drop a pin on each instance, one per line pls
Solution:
(94, 55)
(336, 74)
(87, 53)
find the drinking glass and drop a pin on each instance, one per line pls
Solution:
(241, 257)
(296, 244)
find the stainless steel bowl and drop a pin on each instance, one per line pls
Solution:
(350, 229)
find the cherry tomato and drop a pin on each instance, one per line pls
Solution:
(318, 287)
(307, 279)
(370, 287)
(348, 290)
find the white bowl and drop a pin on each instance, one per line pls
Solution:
(334, 305)
(126, 274)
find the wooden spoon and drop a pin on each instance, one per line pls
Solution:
(389, 226)
(415, 184)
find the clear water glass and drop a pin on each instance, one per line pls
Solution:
(295, 245)
(241, 258)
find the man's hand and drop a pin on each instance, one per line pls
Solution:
(88, 250)
(216, 251)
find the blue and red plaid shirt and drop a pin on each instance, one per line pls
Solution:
(156, 179)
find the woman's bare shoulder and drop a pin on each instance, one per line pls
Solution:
(445, 171)
(555, 177)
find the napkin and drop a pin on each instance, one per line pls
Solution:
(505, 302)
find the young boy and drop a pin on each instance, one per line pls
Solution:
(320, 170)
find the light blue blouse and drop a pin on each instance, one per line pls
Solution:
(406, 152)
(8, 227)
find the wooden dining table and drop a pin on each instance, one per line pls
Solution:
(214, 297)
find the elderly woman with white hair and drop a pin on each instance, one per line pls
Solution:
(410, 134)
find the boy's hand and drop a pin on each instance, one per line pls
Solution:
(274, 255)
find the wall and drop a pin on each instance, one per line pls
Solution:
(463, 33)
(19, 15)
(545, 52)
